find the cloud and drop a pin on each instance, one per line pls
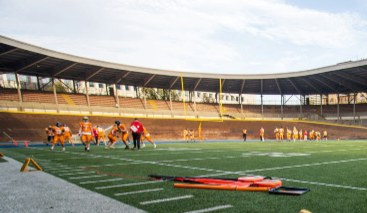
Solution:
(183, 35)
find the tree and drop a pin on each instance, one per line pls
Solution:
(59, 87)
(160, 94)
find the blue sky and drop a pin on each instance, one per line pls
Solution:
(208, 36)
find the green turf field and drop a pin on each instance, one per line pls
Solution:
(334, 171)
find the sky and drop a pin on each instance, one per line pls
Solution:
(206, 36)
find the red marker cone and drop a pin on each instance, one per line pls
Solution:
(26, 144)
(15, 143)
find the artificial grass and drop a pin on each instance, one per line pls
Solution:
(330, 169)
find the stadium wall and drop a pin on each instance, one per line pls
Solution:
(30, 127)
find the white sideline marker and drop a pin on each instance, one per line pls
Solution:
(100, 181)
(76, 173)
(140, 191)
(127, 184)
(90, 176)
(166, 200)
(211, 209)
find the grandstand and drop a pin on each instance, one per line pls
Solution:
(24, 59)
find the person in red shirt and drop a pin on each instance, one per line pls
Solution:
(95, 135)
(136, 129)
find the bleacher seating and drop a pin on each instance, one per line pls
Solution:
(9, 94)
(133, 103)
(38, 96)
(104, 101)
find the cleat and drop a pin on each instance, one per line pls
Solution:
(85, 148)
(51, 149)
(106, 148)
(127, 147)
(155, 145)
(143, 146)
(63, 149)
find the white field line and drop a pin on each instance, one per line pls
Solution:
(211, 209)
(306, 165)
(51, 168)
(166, 200)
(323, 184)
(222, 172)
(69, 170)
(76, 173)
(90, 176)
(127, 184)
(101, 181)
(137, 192)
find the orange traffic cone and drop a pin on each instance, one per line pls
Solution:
(15, 143)
(26, 144)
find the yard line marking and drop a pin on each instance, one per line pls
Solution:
(100, 181)
(76, 173)
(90, 176)
(68, 170)
(324, 184)
(137, 192)
(166, 200)
(211, 209)
(128, 184)
(305, 165)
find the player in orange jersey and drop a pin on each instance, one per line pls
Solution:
(300, 133)
(244, 134)
(312, 135)
(192, 135)
(50, 134)
(101, 134)
(262, 133)
(144, 136)
(85, 131)
(325, 135)
(295, 134)
(112, 136)
(276, 131)
(68, 134)
(124, 133)
(289, 134)
(186, 135)
(58, 131)
(281, 134)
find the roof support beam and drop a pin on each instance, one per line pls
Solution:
(172, 82)
(318, 89)
(242, 86)
(148, 79)
(28, 63)
(280, 90)
(221, 86)
(295, 86)
(92, 73)
(119, 77)
(62, 68)
(353, 78)
(196, 84)
(4, 52)
(344, 83)
(327, 84)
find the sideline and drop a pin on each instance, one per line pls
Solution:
(23, 192)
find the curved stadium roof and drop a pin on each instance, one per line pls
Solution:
(22, 58)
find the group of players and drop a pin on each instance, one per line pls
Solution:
(89, 134)
(189, 134)
(289, 134)
(296, 135)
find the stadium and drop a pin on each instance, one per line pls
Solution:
(332, 169)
